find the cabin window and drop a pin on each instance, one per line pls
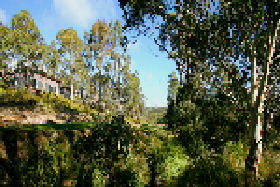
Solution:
(40, 85)
(46, 87)
(11, 81)
(33, 83)
(20, 82)
(50, 89)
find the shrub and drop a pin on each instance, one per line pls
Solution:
(234, 155)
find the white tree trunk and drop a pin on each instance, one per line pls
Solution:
(262, 90)
(72, 92)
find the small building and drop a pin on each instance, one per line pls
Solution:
(45, 83)
(38, 80)
(66, 92)
(26, 77)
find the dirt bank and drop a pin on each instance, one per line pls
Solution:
(10, 116)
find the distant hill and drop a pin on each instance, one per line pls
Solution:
(155, 115)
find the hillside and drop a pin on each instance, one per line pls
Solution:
(21, 106)
(155, 115)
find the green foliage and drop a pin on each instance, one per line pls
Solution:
(172, 87)
(24, 39)
(118, 155)
(99, 178)
(209, 171)
(234, 154)
(269, 168)
(25, 22)
(206, 121)
(83, 156)
(133, 170)
(172, 162)
(165, 158)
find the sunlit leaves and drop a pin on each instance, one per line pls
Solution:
(23, 21)
(70, 41)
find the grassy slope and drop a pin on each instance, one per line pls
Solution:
(26, 100)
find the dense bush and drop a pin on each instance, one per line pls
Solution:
(208, 172)
(210, 120)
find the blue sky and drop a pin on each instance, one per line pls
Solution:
(52, 15)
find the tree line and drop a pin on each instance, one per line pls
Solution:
(98, 62)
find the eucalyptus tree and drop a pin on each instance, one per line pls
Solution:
(23, 41)
(52, 59)
(5, 35)
(192, 32)
(131, 97)
(119, 47)
(173, 87)
(99, 48)
(71, 47)
(104, 51)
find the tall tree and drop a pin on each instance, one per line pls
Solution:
(23, 41)
(133, 103)
(173, 87)
(198, 31)
(5, 37)
(104, 46)
(71, 52)
(99, 47)
(52, 59)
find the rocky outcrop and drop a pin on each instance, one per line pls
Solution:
(14, 116)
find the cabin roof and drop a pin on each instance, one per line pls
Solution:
(32, 70)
